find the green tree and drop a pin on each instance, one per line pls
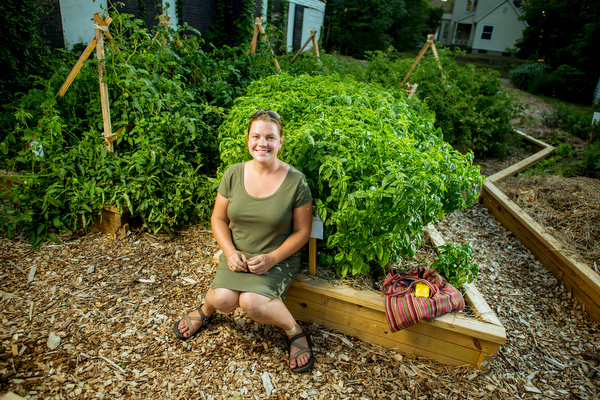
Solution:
(354, 27)
(21, 48)
(413, 27)
(570, 49)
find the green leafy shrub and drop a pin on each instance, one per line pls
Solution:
(578, 124)
(591, 160)
(454, 264)
(524, 74)
(472, 110)
(377, 167)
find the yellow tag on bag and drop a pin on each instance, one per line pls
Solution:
(422, 290)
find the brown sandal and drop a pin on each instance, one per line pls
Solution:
(188, 321)
(301, 350)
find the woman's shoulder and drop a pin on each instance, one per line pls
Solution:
(295, 172)
(233, 168)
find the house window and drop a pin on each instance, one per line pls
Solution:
(470, 5)
(445, 29)
(487, 32)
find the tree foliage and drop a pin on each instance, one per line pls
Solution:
(357, 26)
(21, 48)
(570, 49)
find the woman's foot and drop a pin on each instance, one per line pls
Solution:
(301, 356)
(191, 324)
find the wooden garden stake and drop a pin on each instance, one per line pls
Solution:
(313, 38)
(427, 45)
(165, 22)
(101, 29)
(315, 44)
(259, 29)
(312, 256)
(411, 89)
(103, 85)
(84, 56)
(252, 48)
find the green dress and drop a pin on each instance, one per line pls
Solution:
(259, 226)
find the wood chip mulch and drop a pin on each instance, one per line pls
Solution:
(92, 318)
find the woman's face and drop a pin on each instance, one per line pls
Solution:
(264, 141)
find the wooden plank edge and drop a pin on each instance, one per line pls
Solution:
(12, 396)
(478, 304)
(577, 277)
(373, 323)
(405, 341)
(554, 249)
(454, 322)
(521, 165)
(543, 149)
(580, 295)
(535, 142)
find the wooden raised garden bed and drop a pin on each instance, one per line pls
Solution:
(450, 339)
(577, 277)
(7, 179)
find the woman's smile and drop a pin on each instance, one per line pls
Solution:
(264, 141)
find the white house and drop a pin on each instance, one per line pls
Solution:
(303, 16)
(484, 26)
(76, 17)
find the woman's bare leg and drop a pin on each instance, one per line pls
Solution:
(224, 300)
(273, 312)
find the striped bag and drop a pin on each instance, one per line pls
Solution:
(403, 308)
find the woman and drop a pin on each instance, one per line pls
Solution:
(262, 217)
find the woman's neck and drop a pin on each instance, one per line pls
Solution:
(266, 168)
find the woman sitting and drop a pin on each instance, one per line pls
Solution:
(261, 219)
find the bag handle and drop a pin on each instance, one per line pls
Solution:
(392, 284)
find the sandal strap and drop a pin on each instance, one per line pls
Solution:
(303, 350)
(202, 316)
(291, 341)
(188, 320)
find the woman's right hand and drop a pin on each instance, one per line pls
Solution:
(237, 262)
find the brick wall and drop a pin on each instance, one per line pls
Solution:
(199, 14)
(152, 9)
(50, 25)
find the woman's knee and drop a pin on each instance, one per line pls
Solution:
(253, 304)
(224, 300)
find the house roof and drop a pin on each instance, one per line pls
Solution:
(472, 15)
(491, 10)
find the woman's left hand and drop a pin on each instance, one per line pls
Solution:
(260, 264)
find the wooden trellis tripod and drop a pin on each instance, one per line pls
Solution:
(101, 30)
(258, 28)
(412, 88)
(313, 38)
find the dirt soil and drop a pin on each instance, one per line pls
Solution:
(92, 317)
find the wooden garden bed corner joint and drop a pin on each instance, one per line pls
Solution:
(112, 222)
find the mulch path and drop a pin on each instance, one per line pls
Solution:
(91, 317)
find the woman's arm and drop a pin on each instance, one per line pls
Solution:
(236, 260)
(301, 227)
